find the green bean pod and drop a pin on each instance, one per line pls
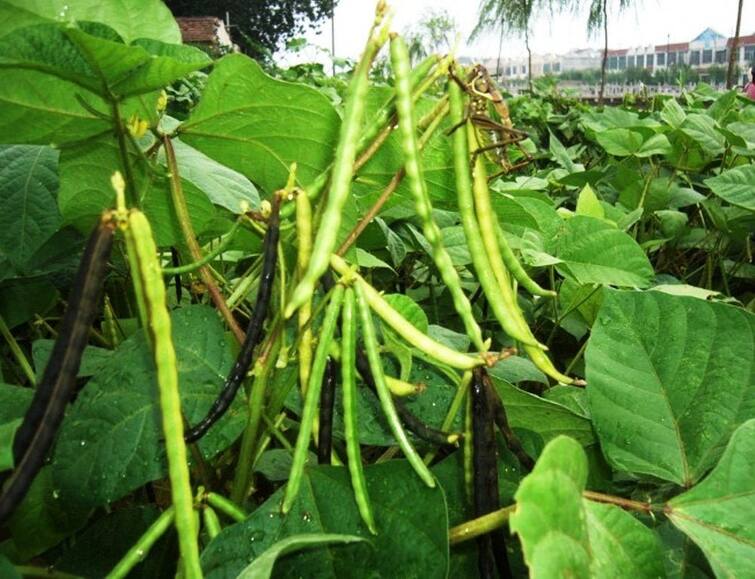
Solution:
(211, 522)
(208, 257)
(422, 203)
(312, 398)
(515, 268)
(141, 548)
(149, 277)
(384, 394)
(488, 281)
(343, 168)
(303, 253)
(403, 327)
(350, 418)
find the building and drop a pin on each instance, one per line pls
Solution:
(206, 32)
(708, 49)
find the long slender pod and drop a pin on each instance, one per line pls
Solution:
(515, 268)
(350, 417)
(208, 257)
(303, 253)
(492, 550)
(480, 259)
(403, 327)
(384, 394)
(139, 550)
(422, 203)
(502, 422)
(343, 166)
(312, 398)
(412, 422)
(325, 423)
(149, 276)
(36, 433)
(253, 334)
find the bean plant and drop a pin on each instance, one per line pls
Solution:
(395, 324)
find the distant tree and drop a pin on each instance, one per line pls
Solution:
(259, 27)
(597, 19)
(731, 70)
(513, 17)
(434, 33)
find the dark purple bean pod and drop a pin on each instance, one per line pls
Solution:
(254, 333)
(45, 414)
(492, 547)
(327, 399)
(502, 422)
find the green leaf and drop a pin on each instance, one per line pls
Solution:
(28, 185)
(669, 379)
(97, 59)
(7, 432)
(588, 204)
(745, 131)
(620, 142)
(559, 153)
(115, 419)
(131, 20)
(735, 186)
(673, 114)
(262, 566)
(717, 513)
(411, 520)
(258, 126)
(549, 511)
(594, 251)
(44, 518)
(223, 186)
(620, 545)
(7, 569)
(547, 419)
(702, 129)
(655, 145)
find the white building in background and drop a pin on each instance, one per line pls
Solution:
(708, 49)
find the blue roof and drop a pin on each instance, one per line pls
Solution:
(709, 35)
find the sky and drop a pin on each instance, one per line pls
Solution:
(645, 22)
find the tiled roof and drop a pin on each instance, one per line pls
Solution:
(749, 39)
(673, 47)
(199, 29)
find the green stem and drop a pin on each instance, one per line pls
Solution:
(137, 553)
(132, 199)
(17, 352)
(453, 410)
(30, 571)
(262, 368)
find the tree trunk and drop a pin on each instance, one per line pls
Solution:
(500, 49)
(734, 51)
(604, 64)
(529, 55)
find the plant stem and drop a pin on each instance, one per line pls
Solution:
(479, 526)
(621, 502)
(140, 549)
(132, 199)
(184, 220)
(17, 352)
(30, 571)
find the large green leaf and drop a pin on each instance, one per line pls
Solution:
(702, 129)
(594, 251)
(133, 19)
(411, 521)
(669, 379)
(737, 186)
(620, 142)
(97, 59)
(116, 420)
(565, 535)
(258, 126)
(28, 185)
(717, 513)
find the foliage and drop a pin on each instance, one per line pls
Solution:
(260, 27)
(640, 217)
